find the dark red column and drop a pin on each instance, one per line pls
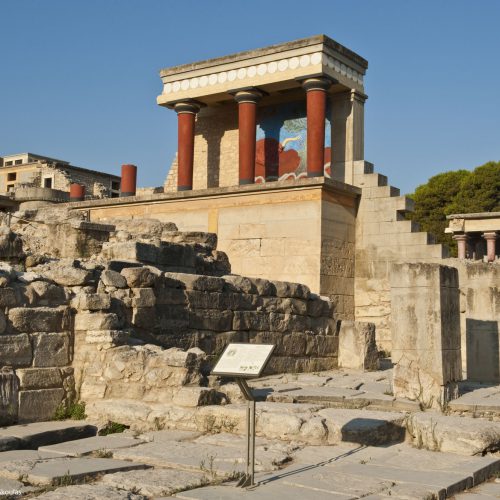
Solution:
(247, 121)
(461, 240)
(186, 117)
(76, 192)
(491, 241)
(316, 114)
(128, 183)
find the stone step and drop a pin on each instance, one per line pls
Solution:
(81, 447)
(31, 436)
(371, 180)
(349, 471)
(63, 471)
(382, 191)
(462, 435)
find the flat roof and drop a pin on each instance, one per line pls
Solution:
(41, 157)
(245, 54)
(479, 215)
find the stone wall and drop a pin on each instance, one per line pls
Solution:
(479, 319)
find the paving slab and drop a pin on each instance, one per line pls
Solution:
(90, 492)
(271, 491)
(487, 490)
(156, 482)
(17, 455)
(81, 447)
(36, 434)
(169, 435)
(57, 470)
(192, 456)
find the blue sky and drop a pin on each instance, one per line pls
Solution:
(79, 79)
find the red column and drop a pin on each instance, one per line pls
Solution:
(129, 180)
(491, 240)
(316, 114)
(247, 121)
(76, 192)
(461, 240)
(186, 117)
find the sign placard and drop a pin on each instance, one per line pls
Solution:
(243, 360)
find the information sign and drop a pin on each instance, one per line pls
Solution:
(243, 360)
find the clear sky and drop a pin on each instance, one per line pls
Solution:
(79, 78)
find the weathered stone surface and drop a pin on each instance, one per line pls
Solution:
(33, 435)
(3, 322)
(143, 297)
(50, 349)
(211, 319)
(239, 284)
(198, 282)
(11, 245)
(42, 293)
(113, 278)
(295, 290)
(196, 396)
(90, 492)
(96, 321)
(8, 297)
(250, 320)
(357, 346)
(138, 277)
(169, 296)
(38, 319)
(109, 337)
(53, 471)
(15, 350)
(9, 391)
(39, 405)
(39, 378)
(92, 301)
(89, 445)
(158, 482)
(462, 435)
(69, 276)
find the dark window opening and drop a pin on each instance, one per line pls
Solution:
(47, 183)
(12, 176)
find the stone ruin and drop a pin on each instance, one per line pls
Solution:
(137, 310)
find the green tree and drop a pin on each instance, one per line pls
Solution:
(433, 202)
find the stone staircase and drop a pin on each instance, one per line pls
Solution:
(383, 236)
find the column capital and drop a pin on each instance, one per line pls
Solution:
(191, 107)
(252, 95)
(461, 237)
(316, 83)
(490, 235)
(356, 95)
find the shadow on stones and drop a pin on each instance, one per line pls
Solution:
(372, 432)
(483, 357)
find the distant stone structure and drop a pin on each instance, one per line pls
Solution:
(34, 178)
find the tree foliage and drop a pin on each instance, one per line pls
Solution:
(456, 192)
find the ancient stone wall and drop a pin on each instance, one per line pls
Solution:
(479, 319)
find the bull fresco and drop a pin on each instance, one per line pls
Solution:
(281, 150)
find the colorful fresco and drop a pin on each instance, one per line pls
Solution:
(281, 152)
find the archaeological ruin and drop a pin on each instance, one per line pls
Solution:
(271, 228)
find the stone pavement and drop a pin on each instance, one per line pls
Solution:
(485, 491)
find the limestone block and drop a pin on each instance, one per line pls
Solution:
(296, 290)
(176, 254)
(39, 378)
(143, 297)
(131, 250)
(357, 346)
(38, 319)
(50, 349)
(282, 305)
(42, 293)
(250, 320)
(239, 284)
(222, 301)
(143, 317)
(11, 246)
(92, 301)
(169, 296)
(264, 287)
(198, 282)
(211, 319)
(69, 276)
(3, 322)
(8, 297)
(321, 345)
(288, 322)
(39, 405)
(9, 390)
(113, 278)
(108, 337)
(317, 306)
(196, 396)
(15, 350)
(96, 321)
(138, 277)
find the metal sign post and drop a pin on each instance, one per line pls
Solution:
(243, 361)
